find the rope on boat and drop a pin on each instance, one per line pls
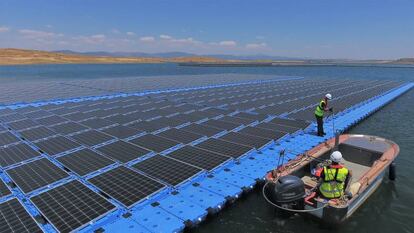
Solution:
(291, 210)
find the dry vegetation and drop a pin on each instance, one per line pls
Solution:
(26, 57)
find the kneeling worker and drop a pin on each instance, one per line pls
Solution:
(319, 112)
(335, 178)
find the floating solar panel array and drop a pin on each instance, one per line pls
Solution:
(30, 91)
(73, 163)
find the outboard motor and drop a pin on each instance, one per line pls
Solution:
(289, 192)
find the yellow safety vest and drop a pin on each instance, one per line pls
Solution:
(319, 109)
(333, 183)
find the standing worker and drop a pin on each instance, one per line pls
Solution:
(319, 112)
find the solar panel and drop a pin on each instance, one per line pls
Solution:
(36, 174)
(129, 110)
(56, 145)
(26, 109)
(198, 157)
(86, 106)
(198, 114)
(245, 139)
(295, 123)
(63, 111)
(155, 143)
(91, 137)
(120, 119)
(162, 104)
(6, 111)
(148, 126)
(7, 138)
(169, 170)
(185, 107)
(34, 134)
(284, 128)
(240, 121)
(188, 117)
(15, 218)
(78, 116)
(99, 113)
(51, 120)
(68, 128)
(170, 121)
(151, 112)
(180, 135)
(224, 147)
(202, 130)
(84, 161)
(125, 185)
(258, 117)
(71, 104)
(217, 111)
(23, 124)
(71, 206)
(264, 133)
(16, 153)
(144, 115)
(50, 107)
(97, 123)
(11, 117)
(123, 151)
(121, 131)
(4, 190)
(278, 109)
(221, 124)
(37, 114)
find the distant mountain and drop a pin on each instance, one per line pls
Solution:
(180, 54)
(10, 56)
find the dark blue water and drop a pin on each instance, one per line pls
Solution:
(73, 71)
(390, 208)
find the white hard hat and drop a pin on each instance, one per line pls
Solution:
(328, 96)
(336, 156)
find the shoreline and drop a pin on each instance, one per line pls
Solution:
(299, 64)
(227, 65)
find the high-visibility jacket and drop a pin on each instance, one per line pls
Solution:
(334, 182)
(319, 111)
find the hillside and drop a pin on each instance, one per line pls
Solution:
(182, 54)
(10, 56)
(27, 57)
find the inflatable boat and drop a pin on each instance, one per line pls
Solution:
(293, 187)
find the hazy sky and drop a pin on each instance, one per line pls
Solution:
(308, 28)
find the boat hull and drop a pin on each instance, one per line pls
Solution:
(368, 159)
(338, 215)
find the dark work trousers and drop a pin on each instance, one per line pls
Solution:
(319, 120)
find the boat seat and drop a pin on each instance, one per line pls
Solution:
(357, 170)
(355, 188)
